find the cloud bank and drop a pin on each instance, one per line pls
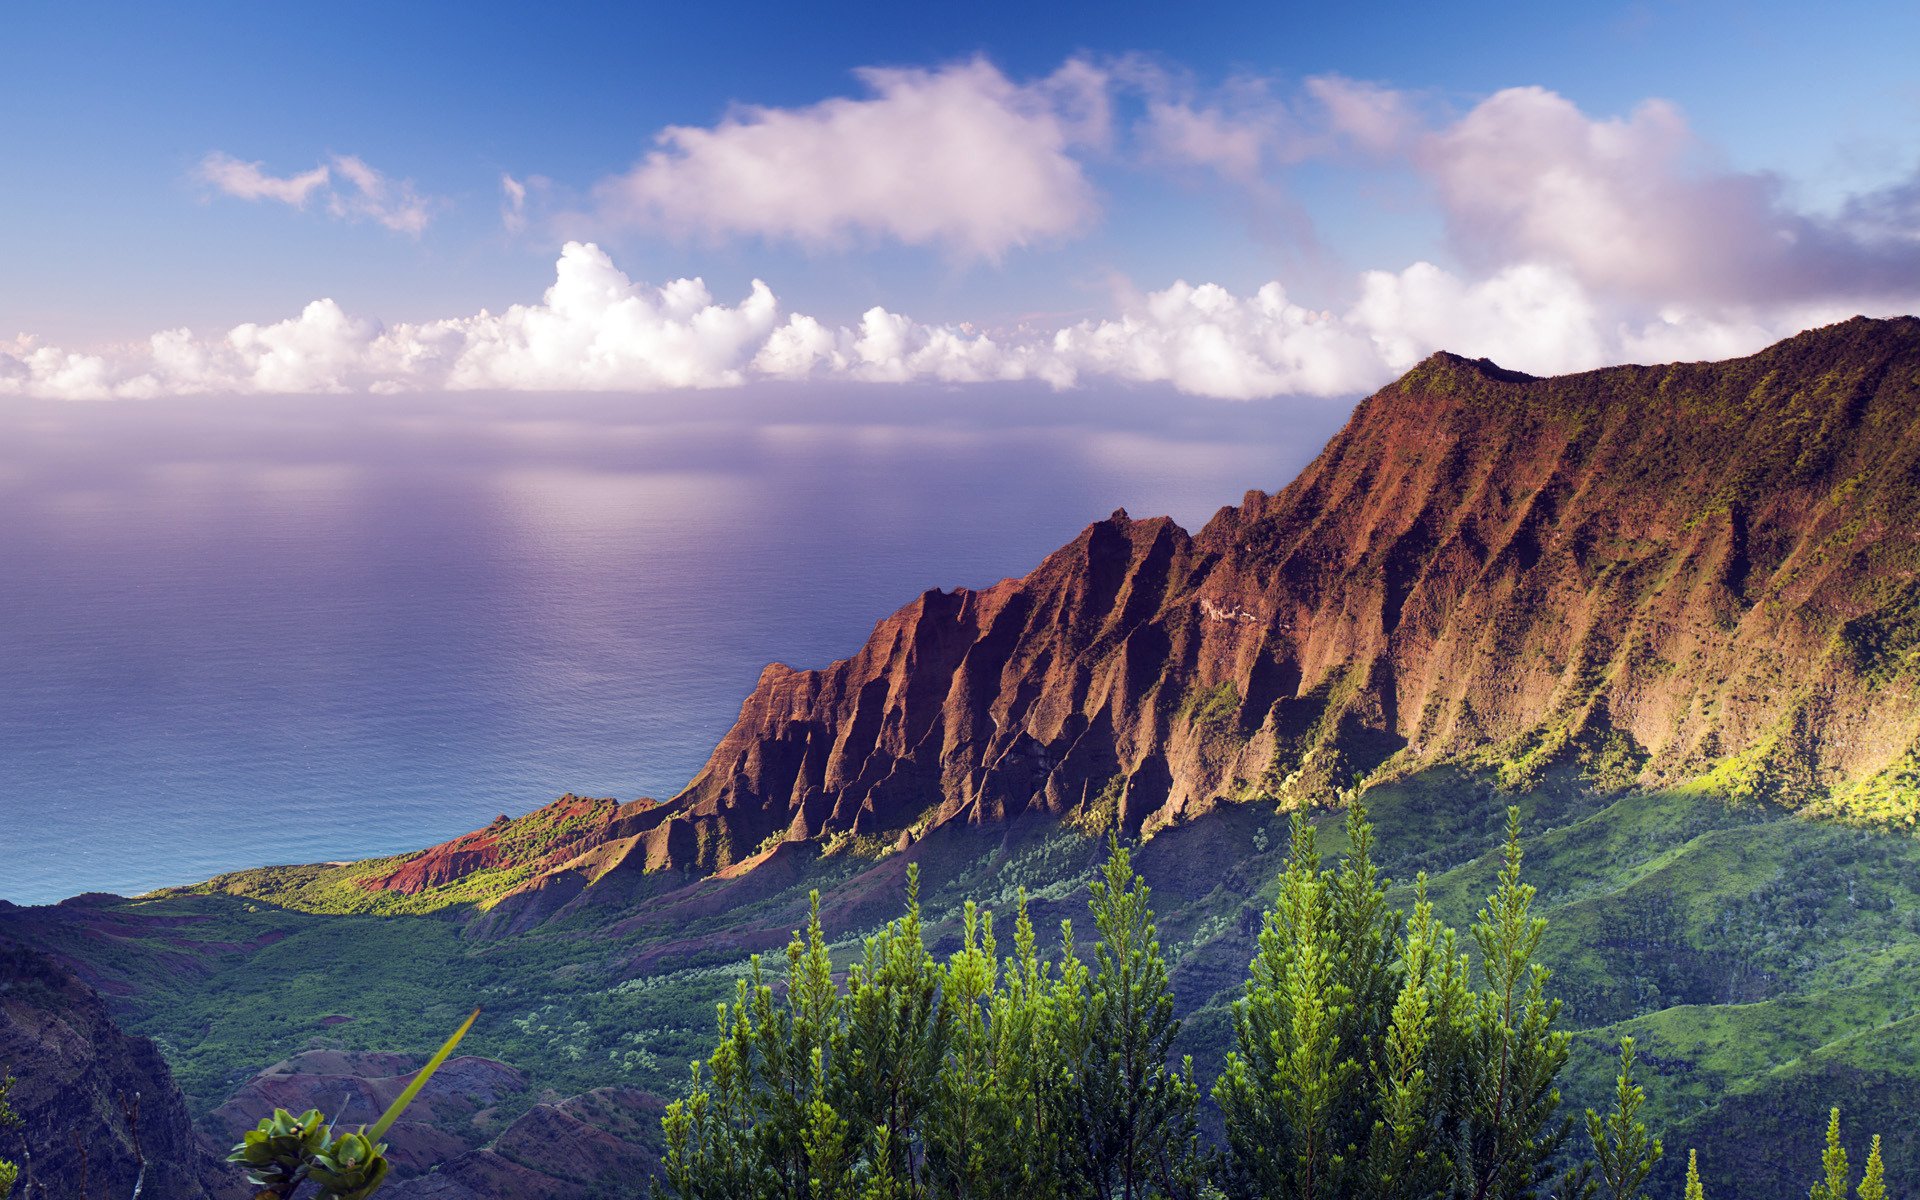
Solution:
(1580, 241)
(596, 329)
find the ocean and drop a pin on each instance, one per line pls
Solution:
(244, 631)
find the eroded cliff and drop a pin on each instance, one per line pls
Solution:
(1696, 572)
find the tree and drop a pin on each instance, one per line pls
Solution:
(1622, 1152)
(1364, 1063)
(1833, 1164)
(1873, 1184)
(1289, 1085)
(1510, 1133)
(1136, 1112)
(1694, 1190)
(1373, 1060)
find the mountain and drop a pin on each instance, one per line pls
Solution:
(1702, 572)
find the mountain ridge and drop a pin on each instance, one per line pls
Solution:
(1697, 573)
(972, 693)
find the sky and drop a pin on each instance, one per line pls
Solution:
(1240, 201)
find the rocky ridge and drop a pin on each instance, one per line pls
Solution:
(1699, 574)
(1696, 572)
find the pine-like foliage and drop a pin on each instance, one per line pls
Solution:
(1374, 1059)
(1365, 1063)
(1835, 1173)
(1137, 1116)
(1623, 1154)
(1833, 1164)
(9, 1172)
(964, 1079)
(1873, 1184)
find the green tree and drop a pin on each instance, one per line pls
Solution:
(1694, 1190)
(1833, 1164)
(1136, 1111)
(1364, 1062)
(1511, 1133)
(1289, 1083)
(1622, 1152)
(1873, 1184)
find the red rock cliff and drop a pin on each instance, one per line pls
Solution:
(1706, 564)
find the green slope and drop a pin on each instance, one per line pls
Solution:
(1766, 965)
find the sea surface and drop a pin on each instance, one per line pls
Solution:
(236, 632)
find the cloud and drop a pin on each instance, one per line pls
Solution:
(376, 198)
(249, 181)
(596, 329)
(960, 157)
(353, 190)
(1232, 144)
(1639, 206)
(1377, 119)
(513, 203)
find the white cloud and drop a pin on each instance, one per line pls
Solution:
(1638, 206)
(513, 203)
(597, 329)
(361, 194)
(1378, 120)
(250, 181)
(376, 198)
(1176, 132)
(960, 157)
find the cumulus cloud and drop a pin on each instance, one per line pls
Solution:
(960, 157)
(1636, 205)
(352, 190)
(597, 329)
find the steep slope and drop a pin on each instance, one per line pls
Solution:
(96, 1102)
(1697, 570)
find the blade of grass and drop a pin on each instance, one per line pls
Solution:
(405, 1098)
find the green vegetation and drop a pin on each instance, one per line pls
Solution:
(1366, 1062)
(522, 844)
(9, 1120)
(1216, 708)
(923, 1078)
(1766, 966)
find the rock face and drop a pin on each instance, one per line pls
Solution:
(95, 1101)
(1713, 560)
(1689, 572)
(354, 1088)
(581, 1148)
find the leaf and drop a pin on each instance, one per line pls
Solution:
(405, 1098)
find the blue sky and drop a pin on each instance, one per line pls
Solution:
(1232, 146)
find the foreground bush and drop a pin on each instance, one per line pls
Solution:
(1374, 1059)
